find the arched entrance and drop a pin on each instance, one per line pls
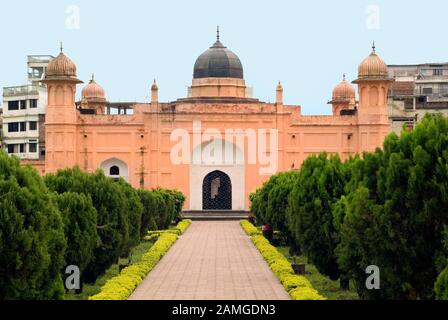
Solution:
(217, 155)
(217, 191)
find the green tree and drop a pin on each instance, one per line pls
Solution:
(150, 212)
(270, 203)
(441, 285)
(319, 186)
(110, 203)
(80, 221)
(134, 210)
(394, 218)
(32, 241)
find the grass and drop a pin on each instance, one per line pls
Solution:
(92, 289)
(326, 287)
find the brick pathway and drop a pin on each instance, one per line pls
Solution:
(213, 260)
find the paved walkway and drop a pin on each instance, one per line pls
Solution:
(213, 260)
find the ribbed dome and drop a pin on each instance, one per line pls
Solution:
(61, 66)
(344, 91)
(372, 67)
(93, 91)
(218, 62)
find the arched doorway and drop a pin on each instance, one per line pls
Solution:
(222, 156)
(217, 191)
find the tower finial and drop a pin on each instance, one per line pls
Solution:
(217, 33)
(373, 47)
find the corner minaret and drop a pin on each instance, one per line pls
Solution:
(373, 84)
(61, 116)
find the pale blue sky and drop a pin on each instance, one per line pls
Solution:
(307, 45)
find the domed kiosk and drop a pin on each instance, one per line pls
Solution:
(218, 72)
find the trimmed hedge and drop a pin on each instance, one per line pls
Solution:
(122, 286)
(250, 229)
(183, 225)
(298, 287)
(178, 230)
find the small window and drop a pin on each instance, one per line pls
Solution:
(32, 147)
(22, 104)
(22, 126)
(33, 103)
(10, 148)
(427, 90)
(438, 72)
(33, 125)
(13, 105)
(13, 127)
(114, 171)
(22, 148)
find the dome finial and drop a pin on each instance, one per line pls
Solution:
(217, 33)
(62, 48)
(373, 47)
(343, 76)
(93, 78)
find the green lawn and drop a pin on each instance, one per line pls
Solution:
(92, 289)
(328, 288)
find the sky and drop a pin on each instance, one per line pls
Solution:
(307, 45)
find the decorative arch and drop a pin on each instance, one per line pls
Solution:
(374, 96)
(225, 159)
(115, 168)
(217, 191)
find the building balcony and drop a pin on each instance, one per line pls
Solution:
(22, 90)
(40, 58)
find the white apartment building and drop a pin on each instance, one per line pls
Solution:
(24, 109)
(416, 90)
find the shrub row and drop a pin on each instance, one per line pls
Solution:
(249, 228)
(122, 286)
(384, 208)
(298, 287)
(70, 218)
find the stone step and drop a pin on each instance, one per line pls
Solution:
(215, 214)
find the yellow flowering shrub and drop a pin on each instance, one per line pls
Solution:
(298, 287)
(250, 229)
(305, 293)
(122, 286)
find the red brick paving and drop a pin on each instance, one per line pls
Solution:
(213, 260)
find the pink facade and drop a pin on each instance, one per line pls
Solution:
(139, 147)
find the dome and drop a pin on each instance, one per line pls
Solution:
(93, 91)
(344, 91)
(372, 67)
(61, 68)
(218, 62)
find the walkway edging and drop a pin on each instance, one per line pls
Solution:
(298, 287)
(123, 285)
